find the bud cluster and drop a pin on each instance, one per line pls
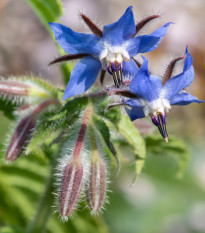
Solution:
(82, 167)
(32, 96)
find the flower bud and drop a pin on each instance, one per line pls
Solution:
(73, 165)
(24, 131)
(20, 138)
(26, 89)
(70, 188)
(96, 186)
(12, 88)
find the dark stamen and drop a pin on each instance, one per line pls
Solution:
(67, 57)
(114, 75)
(143, 22)
(92, 26)
(169, 70)
(102, 76)
(162, 127)
(116, 71)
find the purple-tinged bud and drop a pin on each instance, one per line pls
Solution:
(14, 88)
(24, 131)
(70, 188)
(72, 170)
(26, 89)
(20, 138)
(96, 186)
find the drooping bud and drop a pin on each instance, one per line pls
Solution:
(26, 89)
(70, 188)
(96, 186)
(73, 166)
(96, 183)
(24, 131)
(20, 138)
(12, 88)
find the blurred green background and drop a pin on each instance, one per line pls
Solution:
(157, 202)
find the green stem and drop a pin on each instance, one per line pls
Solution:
(39, 222)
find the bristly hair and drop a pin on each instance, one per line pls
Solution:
(91, 25)
(67, 57)
(168, 73)
(143, 22)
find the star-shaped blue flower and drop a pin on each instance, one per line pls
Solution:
(111, 49)
(154, 96)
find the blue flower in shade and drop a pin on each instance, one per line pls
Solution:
(154, 96)
(109, 50)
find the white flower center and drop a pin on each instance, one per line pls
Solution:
(156, 106)
(114, 54)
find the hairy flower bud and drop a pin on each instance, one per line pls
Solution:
(14, 88)
(24, 131)
(96, 186)
(20, 138)
(26, 89)
(73, 165)
(70, 188)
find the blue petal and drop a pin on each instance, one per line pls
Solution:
(174, 85)
(129, 68)
(74, 42)
(123, 29)
(146, 86)
(146, 43)
(133, 103)
(135, 113)
(82, 77)
(184, 99)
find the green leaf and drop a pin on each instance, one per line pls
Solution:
(157, 146)
(47, 10)
(7, 107)
(105, 133)
(133, 137)
(51, 125)
(11, 230)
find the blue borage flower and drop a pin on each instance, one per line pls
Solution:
(151, 95)
(111, 49)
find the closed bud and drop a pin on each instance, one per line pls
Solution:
(26, 89)
(11, 88)
(20, 138)
(96, 185)
(24, 131)
(70, 188)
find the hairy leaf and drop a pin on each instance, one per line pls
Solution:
(133, 137)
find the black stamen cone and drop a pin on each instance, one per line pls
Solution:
(117, 74)
(162, 127)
